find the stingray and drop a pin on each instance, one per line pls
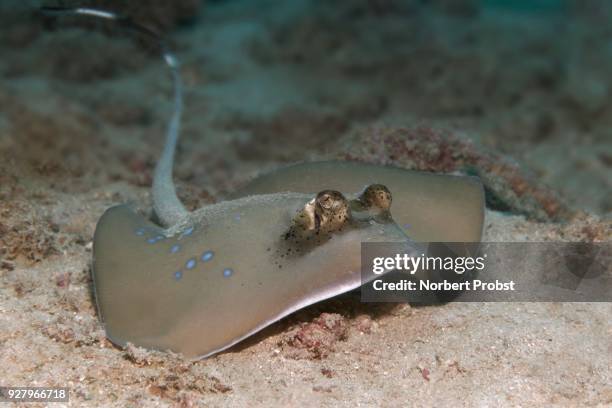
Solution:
(199, 282)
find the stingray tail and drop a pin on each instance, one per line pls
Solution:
(166, 203)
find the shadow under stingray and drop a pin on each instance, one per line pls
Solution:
(348, 305)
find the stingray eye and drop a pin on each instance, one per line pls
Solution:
(376, 197)
(329, 200)
(332, 210)
(329, 211)
(326, 200)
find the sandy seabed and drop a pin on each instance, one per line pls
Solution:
(82, 116)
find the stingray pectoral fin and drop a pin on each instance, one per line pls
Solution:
(430, 207)
(126, 251)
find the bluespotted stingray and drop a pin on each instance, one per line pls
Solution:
(199, 282)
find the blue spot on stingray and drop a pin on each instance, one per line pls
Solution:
(178, 275)
(227, 272)
(237, 217)
(175, 248)
(187, 232)
(407, 226)
(207, 256)
(155, 239)
(190, 263)
(139, 231)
